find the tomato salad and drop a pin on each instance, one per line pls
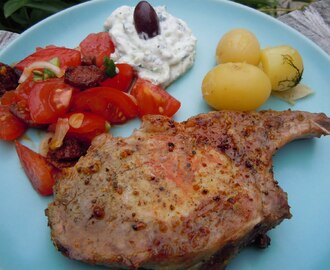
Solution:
(76, 94)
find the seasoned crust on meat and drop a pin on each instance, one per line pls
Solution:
(177, 195)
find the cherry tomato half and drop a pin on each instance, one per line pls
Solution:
(11, 127)
(23, 90)
(40, 173)
(9, 97)
(152, 99)
(98, 46)
(18, 106)
(122, 80)
(67, 57)
(49, 100)
(115, 106)
(84, 125)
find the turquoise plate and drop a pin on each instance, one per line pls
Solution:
(302, 167)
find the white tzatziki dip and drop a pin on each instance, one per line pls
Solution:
(161, 59)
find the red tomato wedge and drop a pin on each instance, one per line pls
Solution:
(18, 106)
(9, 97)
(22, 92)
(152, 99)
(68, 57)
(122, 80)
(87, 123)
(11, 127)
(21, 110)
(18, 100)
(49, 100)
(115, 106)
(84, 125)
(40, 173)
(98, 46)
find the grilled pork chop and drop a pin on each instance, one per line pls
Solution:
(177, 195)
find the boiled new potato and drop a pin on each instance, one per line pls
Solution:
(236, 86)
(238, 45)
(283, 65)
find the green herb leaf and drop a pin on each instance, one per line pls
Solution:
(48, 74)
(110, 67)
(55, 61)
(37, 72)
(37, 77)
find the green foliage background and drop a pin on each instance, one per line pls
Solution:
(18, 15)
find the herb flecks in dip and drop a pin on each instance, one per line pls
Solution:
(161, 59)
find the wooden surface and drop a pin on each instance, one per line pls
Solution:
(6, 37)
(313, 22)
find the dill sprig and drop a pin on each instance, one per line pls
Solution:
(289, 83)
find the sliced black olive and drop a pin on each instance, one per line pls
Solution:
(146, 20)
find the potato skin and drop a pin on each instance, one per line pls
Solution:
(236, 86)
(238, 45)
(283, 65)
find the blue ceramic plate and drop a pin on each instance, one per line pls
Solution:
(302, 167)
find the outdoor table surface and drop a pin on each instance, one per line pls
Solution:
(313, 22)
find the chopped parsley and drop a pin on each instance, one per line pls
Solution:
(110, 67)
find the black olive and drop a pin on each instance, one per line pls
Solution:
(146, 20)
